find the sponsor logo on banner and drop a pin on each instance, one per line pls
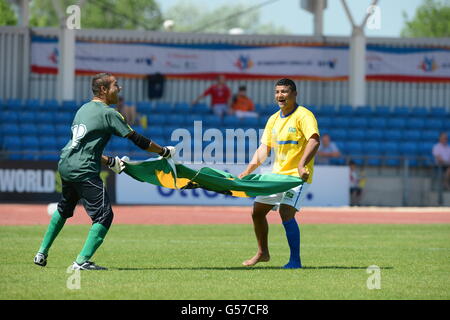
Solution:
(147, 60)
(244, 62)
(428, 64)
(327, 63)
(53, 57)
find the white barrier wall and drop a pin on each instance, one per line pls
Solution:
(330, 187)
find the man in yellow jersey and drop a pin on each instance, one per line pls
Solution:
(293, 134)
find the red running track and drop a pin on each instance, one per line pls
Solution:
(21, 214)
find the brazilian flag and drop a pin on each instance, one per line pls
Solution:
(169, 174)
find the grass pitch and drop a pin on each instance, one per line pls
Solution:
(204, 262)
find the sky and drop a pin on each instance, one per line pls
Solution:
(288, 13)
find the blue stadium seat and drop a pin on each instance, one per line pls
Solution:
(415, 123)
(30, 146)
(438, 112)
(396, 123)
(389, 148)
(271, 108)
(363, 111)
(144, 107)
(434, 123)
(324, 122)
(48, 143)
(430, 135)
(375, 134)
(356, 134)
(119, 144)
(372, 148)
(345, 110)
(419, 112)
(426, 148)
(61, 117)
(14, 104)
(314, 109)
(9, 129)
(157, 119)
(61, 141)
(182, 107)
(341, 122)
(211, 121)
(359, 122)
(175, 119)
(408, 148)
(27, 117)
(201, 108)
(400, 111)
(12, 143)
(44, 117)
(327, 110)
(70, 106)
(32, 104)
(154, 131)
(354, 148)
(381, 111)
(412, 135)
(393, 135)
(46, 130)
(28, 129)
(231, 122)
(50, 105)
(62, 130)
(338, 134)
(250, 122)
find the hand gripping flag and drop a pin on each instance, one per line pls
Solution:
(169, 174)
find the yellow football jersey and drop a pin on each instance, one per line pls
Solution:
(288, 136)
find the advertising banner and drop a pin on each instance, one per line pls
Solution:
(316, 62)
(38, 182)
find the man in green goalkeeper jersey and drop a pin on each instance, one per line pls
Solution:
(80, 164)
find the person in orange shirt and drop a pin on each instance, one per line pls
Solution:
(242, 106)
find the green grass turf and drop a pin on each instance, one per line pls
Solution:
(204, 262)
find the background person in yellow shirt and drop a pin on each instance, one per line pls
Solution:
(293, 134)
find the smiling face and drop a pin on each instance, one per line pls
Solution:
(285, 96)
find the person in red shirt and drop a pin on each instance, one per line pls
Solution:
(220, 96)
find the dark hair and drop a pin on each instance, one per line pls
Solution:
(287, 82)
(99, 80)
(242, 88)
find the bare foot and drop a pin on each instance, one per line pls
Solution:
(259, 257)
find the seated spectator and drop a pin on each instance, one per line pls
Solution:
(441, 154)
(127, 111)
(356, 185)
(327, 150)
(242, 106)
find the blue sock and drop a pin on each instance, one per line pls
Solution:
(293, 238)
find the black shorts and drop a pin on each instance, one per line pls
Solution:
(93, 195)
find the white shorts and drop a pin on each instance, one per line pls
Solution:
(293, 197)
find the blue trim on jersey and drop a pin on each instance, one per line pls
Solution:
(288, 142)
(298, 196)
(281, 114)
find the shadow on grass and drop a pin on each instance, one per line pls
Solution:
(244, 268)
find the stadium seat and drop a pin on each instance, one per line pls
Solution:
(359, 122)
(430, 135)
(43, 117)
(61, 117)
(14, 104)
(144, 107)
(372, 148)
(389, 148)
(345, 111)
(201, 108)
(48, 143)
(400, 111)
(396, 123)
(374, 134)
(354, 148)
(338, 134)
(412, 135)
(231, 122)
(182, 107)
(314, 109)
(363, 111)
(175, 119)
(61, 141)
(408, 148)
(419, 112)
(381, 111)
(327, 110)
(250, 122)
(32, 104)
(324, 122)
(62, 130)
(12, 143)
(27, 117)
(438, 112)
(342, 122)
(70, 106)
(28, 129)
(9, 129)
(50, 105)
(46, 129)
(156, 119)
(434, 124)
(211, 121)
(356, 134)
(393, 135)
(415, 123)
(154, 131)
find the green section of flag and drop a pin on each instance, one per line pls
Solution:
(170, 175)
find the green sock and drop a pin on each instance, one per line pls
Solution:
(93, 241)
(55, 226)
